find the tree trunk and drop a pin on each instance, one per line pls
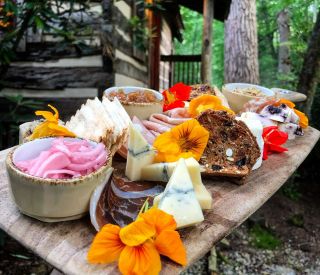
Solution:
(206, 52)
(310, 72)
(284, 64)
(241, 43)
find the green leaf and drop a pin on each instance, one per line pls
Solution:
(39, 22)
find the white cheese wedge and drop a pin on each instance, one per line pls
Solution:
(179, 198)
(256, 128)
(140, 154)
(163, 172)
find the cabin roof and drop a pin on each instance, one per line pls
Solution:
(172, 14)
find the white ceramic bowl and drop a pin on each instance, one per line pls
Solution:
(50, 200)
(237, 100)
(140, 110)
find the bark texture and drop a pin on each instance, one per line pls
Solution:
(207, 41)
(284, 63)
(310, 72)
(241, 43)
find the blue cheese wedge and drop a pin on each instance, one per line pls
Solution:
(140, 154)
(179, 198)
(163, 172)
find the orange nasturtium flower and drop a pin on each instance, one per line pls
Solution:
(138, 246)
(50, 127)
(186, 140)
(205, 102)
(303, 119)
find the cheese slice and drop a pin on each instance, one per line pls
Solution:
(179, 199)
(256, 128)
(140, 154)
(163, 172)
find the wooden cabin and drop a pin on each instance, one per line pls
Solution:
(48, 70)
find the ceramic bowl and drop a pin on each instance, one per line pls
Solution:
(237, 100)
(140, 110)
(50, 200)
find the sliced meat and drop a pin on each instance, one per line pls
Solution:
(144, 131)
(166, 120)
(150, 125)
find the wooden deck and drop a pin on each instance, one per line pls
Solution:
(65, 244)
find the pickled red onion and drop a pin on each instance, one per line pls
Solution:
(66, 159)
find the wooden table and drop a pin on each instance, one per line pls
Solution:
(64, 245)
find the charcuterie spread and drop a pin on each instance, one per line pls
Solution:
(138, 210)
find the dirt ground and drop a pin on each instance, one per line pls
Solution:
(294, 222)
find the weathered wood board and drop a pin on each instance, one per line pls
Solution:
(65, 244)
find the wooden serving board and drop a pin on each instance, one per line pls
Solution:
(64, 245)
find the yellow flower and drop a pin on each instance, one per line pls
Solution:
(303, 119)
(138, 246)
(205, 102)
(188, 139)
(50, 127)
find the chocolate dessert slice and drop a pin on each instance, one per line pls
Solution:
(121, 200)
(232, 150)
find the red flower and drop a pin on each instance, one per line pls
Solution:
(175, 96)
(273, 138)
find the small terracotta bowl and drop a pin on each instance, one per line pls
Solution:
(50, 200)
(140, 110)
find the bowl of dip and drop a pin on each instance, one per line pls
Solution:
(238, 94)
(50, 187)
(137, 101)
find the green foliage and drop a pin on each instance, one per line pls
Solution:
(55, 17)
(192, 41)
(263, 238)
(301, 23)
(297, 220)
(291, 188)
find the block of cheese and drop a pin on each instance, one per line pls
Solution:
(256, 128)
(140, 154)
(163, 172)
(179, 198)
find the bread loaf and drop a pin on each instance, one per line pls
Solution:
(232, 150)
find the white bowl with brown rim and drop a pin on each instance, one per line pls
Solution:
(238, 94)
(140, 109)
(46, 199)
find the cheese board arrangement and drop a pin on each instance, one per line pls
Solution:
(139, 170)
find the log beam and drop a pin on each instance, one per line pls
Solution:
(206, 56)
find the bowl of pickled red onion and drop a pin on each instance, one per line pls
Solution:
(53, 178)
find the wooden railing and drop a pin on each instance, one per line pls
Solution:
(179, 68)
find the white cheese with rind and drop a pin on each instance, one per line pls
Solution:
(256, 128)
(140, 154)
(179, 198)
(163, 172)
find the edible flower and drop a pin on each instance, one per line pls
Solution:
(303, 119)
(50, 127)
(137, 247)
(205, 102)
(175, 96)
(273, 139)
(186, 140)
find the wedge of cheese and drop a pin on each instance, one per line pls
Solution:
(179, 198)
(256, 128)
(140, 154)
(163, 172)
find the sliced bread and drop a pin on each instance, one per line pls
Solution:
(232, 150)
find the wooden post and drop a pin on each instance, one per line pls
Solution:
(206, 55)
(154, 49)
